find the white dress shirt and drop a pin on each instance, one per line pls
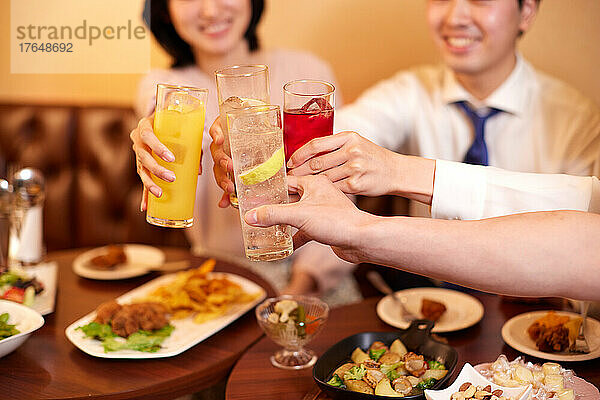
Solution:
(467, 192)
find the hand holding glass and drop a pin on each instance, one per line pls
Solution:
(178, 124)
(240, 86)
(307, 112)
(256, 142)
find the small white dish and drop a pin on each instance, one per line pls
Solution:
(140, 259)
(26, 320)
(514, 333)
(186, 334)
(462, 310)
(469, 374)
(45, 273)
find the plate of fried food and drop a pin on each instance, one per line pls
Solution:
(550, 335)
(165, 316)
(449, 309)
(118, 261)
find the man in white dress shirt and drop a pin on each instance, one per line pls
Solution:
(537, 123)
(484, 105)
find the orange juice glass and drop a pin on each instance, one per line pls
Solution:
(178, 124)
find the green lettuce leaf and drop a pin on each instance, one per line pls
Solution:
(97, 331)
(147, 341)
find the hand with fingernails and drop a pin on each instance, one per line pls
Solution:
(222, 162)
(358, 166)
(144, 144)
(354, 164)
(323, 213)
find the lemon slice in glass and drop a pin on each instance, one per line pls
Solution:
(264, 171)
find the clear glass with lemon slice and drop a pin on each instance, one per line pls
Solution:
(240, 86)
(256, 142)
(178, 124)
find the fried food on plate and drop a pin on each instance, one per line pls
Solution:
(130, 318)
(553, 332)
(195, 292)
(115, 255)
(432, 310)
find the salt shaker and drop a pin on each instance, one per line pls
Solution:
(26, 244)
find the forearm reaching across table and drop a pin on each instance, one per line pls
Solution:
(531, 254)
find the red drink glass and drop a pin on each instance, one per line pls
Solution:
(307, 112)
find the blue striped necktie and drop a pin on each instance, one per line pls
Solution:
(477, 153)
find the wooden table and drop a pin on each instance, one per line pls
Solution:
(48, 366)
(253, 377)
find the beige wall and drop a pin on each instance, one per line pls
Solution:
(364, 41)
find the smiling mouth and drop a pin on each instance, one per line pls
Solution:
(459, 43)
(216, 27)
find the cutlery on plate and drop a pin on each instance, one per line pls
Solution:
(377, 281)
(581, 344)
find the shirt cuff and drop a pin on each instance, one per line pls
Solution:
(595, 198)
(458, 191)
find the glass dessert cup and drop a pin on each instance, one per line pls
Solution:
(295, 332)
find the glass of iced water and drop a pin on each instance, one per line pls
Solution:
(256, 141)
(240, 86)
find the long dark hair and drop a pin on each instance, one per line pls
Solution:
(157, 18)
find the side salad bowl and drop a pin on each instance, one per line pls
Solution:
(26, 321)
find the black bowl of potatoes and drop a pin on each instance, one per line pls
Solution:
(380, 365)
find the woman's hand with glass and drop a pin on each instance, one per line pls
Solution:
(321, 214)
(144, 144)
(222, 162)
(360, 167)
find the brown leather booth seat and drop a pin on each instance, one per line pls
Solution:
(92, 189)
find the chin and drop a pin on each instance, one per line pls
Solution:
(217, 48)
(463, 65)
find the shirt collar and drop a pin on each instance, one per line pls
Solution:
(511, 96)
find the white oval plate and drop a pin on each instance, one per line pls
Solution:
(514, 333)
(186, 334)
(469, 374)
(26, 320)
(462, 310)
(139, 259)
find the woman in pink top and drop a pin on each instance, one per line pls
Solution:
(203, 36)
